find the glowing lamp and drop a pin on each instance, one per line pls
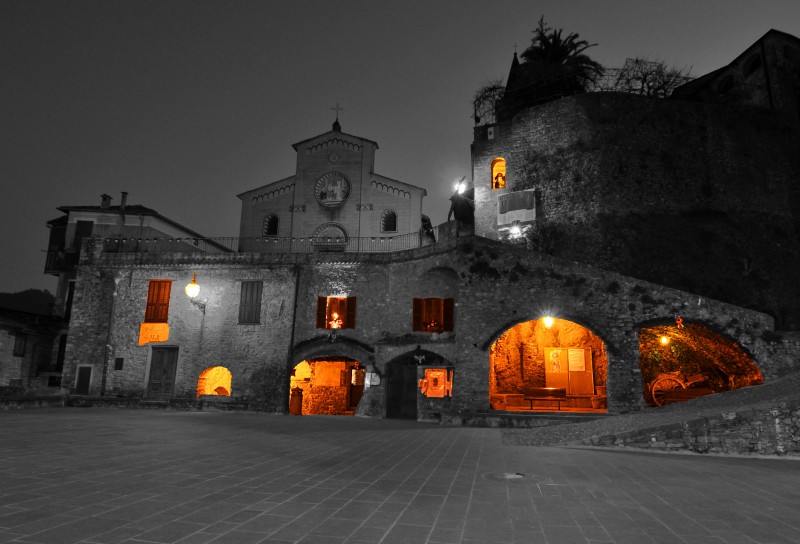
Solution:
(548, 321)
(515, 231)
(192, 289)
(664, 340)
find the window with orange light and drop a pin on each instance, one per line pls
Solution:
(432, 314)
(157, 309)
(498, 173)
(336, 312)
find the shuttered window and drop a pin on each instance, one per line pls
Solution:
(157, 309)
(336, 312)
(432, 314)
(250, 302)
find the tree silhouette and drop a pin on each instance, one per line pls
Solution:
(556, 65)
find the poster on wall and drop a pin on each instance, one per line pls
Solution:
(569, 368)
(556, 373)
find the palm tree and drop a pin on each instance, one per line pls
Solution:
(555, 65)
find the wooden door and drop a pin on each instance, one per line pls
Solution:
(401, 390)
(163, 364)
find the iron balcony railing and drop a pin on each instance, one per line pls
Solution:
(272, 244)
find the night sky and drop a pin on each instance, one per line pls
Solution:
(187, 104)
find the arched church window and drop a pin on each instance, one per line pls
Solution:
(270, 225)
(499, 173)
(389, 221)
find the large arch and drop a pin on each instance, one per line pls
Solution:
(681, 360)
(327, 375)
(548, 364)
(326, 385)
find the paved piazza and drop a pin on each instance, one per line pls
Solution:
(108, 476)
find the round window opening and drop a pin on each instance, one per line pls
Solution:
(332, 189)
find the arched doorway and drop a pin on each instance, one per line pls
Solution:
(328, 385)
(402, 382)
(547, 365)
(680, 362)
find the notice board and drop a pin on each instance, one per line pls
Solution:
(570, 368)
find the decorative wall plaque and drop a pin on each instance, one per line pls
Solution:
(332, 189)
(333, 158)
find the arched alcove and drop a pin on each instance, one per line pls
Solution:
(327, 385)
(215, 380)
(548, 364)
(683, 361)
(498, 173)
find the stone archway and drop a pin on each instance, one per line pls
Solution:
(327, 375)
(327, 385)
(548, 364)
(680, 361)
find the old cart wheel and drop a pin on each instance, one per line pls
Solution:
(663, 386)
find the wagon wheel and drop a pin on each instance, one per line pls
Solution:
(663, 386)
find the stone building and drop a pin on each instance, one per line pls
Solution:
(333, 197)
(582, 282)
(694, 192)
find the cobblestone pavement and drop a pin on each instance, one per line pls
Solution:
(107, 476)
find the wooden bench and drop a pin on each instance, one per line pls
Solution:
(557, 394)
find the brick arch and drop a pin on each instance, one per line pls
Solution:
(534, 354)
(693, 349)
(440, 281)
(574, 318)
(328, 346)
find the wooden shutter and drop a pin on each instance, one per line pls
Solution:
(322, 306)
(250, 302)
(416, 315)
(447, 314)
(350, 313)
(157, 309)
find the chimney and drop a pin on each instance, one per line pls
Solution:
(105, 201)
(124, 201)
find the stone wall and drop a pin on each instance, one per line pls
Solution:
(495, 286)
(764, 431)
(696, 196)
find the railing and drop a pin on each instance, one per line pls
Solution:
(273, 244)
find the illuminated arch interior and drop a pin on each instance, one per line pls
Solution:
(499, 173)
(328, 385)
(532, 356)
(699, 360)
(215, 380)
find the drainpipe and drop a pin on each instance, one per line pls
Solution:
(297, 270)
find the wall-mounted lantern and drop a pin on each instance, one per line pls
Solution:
(192, 289)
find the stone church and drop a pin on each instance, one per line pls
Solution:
(546, 293)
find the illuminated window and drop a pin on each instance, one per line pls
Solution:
(214, 381)
(157, 301)
(389, 221)
(270, 225)
(433, 314)
(498, 173)
(336, 312)
(20, 343)
(250, 302)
